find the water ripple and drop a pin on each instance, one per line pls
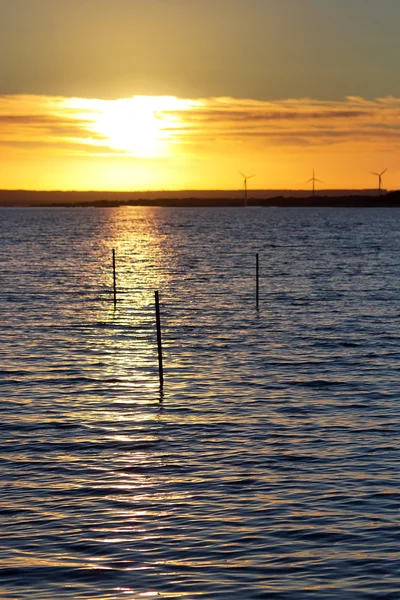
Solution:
(267, 468)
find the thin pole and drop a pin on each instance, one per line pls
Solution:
(160, 359)
(114, 278)
(257, 280)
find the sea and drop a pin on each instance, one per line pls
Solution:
(266, 466)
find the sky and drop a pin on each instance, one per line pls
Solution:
(185, 94)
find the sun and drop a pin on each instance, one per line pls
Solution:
(131, 125)
(142, 126)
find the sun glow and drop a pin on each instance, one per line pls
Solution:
(133, 126)
(142, 126)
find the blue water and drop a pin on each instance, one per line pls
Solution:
(269, 465)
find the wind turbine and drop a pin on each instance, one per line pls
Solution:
(314, 179)
(245, 178)
(379, 176)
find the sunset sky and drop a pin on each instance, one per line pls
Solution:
(184, 94)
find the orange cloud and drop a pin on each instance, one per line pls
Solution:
(168, 142)
(294, 122)
(71, 125)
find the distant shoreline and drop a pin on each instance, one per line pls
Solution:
(331, 198)
(351, 202)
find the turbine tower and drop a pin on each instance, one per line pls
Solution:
(245, 178)
(314, 179)
(379, 176)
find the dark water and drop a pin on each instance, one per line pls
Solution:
(270, 470)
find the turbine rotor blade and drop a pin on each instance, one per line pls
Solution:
(383, 172)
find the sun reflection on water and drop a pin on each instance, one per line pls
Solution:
(143, 262)
(125, 334)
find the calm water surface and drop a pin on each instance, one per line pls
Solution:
(270, 469)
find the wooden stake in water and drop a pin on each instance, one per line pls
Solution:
(257, 281)
(160, 359)
(114, 278)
